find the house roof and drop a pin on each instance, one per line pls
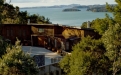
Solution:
(49, 25)
(41, 51)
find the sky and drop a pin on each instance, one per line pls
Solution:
(32, 3)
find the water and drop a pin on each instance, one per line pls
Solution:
(56, 15)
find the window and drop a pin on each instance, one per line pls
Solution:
(41, 30)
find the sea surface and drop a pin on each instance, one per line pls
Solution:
(57, 16)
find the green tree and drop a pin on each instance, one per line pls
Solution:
(12, 15)
(112, 37)
(87, 58)
(84, 25)
(101, 25)
(36, 18)
(23, 17)
(3, 45)
(115, 10)
(1, 8)
(112, 41)
(16, 62)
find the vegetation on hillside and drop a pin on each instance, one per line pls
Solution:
(100, 25)
(87, 58)
(13, 61)
(112, 40)
(12, 15)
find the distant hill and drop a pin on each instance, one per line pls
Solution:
(55, 6)
(81, 6)
(93, 8)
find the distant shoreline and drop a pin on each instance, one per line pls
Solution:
(66, 6)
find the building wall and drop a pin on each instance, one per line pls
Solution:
(11, 31)
(58, 29)
(91, 33)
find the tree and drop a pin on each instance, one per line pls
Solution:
(3, 45)
(36, 18)
(101, 25)
(112, 39)
(23, 17)
(84, 25)
(16, 62)
(1, 7)
(12, 15)
(87, 58)
(116, 10)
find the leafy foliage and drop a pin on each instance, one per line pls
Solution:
(12, 15)
(16, 62)
(112, 39)
(87, 58)
(101, 25)
(3, 45)
(36, 18)
(116, 10)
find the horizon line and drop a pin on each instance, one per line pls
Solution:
(64, 4)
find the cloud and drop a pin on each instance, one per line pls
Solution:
(42, 1)
(59, 1)
(23, 1)
(26, 3)
(29, 1)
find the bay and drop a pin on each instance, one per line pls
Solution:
(57, 16)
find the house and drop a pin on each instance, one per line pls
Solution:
(51, 36)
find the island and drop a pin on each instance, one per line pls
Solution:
(70, 9)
